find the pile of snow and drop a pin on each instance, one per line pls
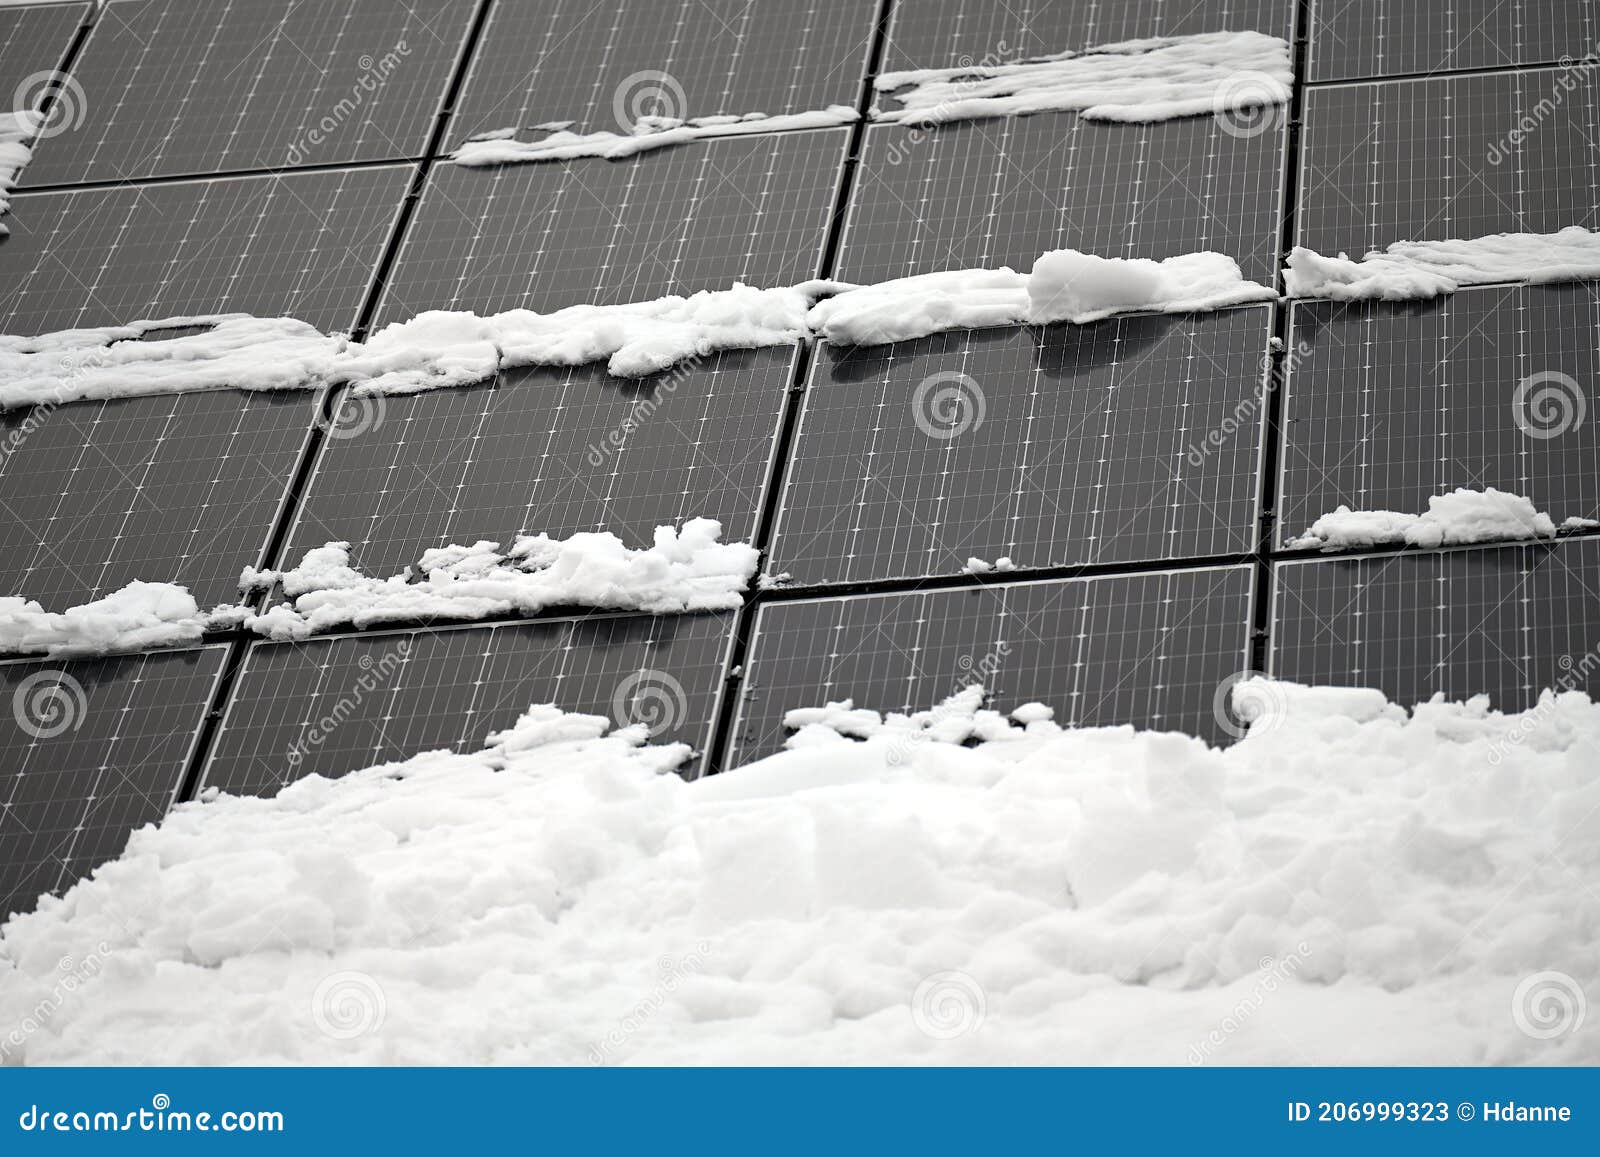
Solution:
(649, 132)
(1135, 80)
(1459, 517)
(1349, 884)
(683, 571)
(16, 130)
(439, 349)
(1408, 270)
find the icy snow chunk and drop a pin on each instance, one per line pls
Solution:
(16, 129)
(137, 617)
(1135, 80)
(1418, 269)
(682, 571)
(1461, 516)
(498, 148)
(912, 307)
(1067, 285)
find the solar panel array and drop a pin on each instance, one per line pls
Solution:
(1142, 474)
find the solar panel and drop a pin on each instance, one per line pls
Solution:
(1149, 649)
(1356, 39)
(1387, 405)
(1000, 192)
(180, 87)
(557, 451)
(946, 34)
(180, 489)
(90, 751)
(1053, 446)
(1504, 622)
(302, 245)
(33, 43)
(696, 216)
(1459, 156)
(604, 63)
(331, 705)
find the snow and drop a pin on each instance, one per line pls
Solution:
(650, 132)
(16, 129)
(139, 616)
(1350, 883)
(1135, 80)
(1461, 516)
(1408, 270)
(439, 349)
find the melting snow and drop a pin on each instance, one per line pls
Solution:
(1462, 516)
(1418, 269)
(1136, 80)
(16, 129)
(1350, 883)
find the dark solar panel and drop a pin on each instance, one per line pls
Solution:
(90, 751)
(696, 216)
(33, 42)
(1354, 39)
(556, 451)
(177, 489)
(604, 63)
(178, 87)
(1505, 622)
(1000, 192)
(953, 34)
(1068, 444)
(302, 245)
(332, 705)
(1149, 649)
(1461, 156)
(1387, 405)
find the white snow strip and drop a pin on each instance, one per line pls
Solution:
(1349, 884)
(439, 349)
(683, 571)
(16, 129)
(651, 132)
(1462, 516)
(1135, 80)
(1408, 270)
(139, 616)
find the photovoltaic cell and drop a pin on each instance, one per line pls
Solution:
(1426, 160)
(1002, 191)
(302, 245)
(177, 489)
(1506, 622)
(557, 451)
(90, 751)
(947, 34)
(1357, 39)
(332, 705)
(602, 65)
(1389, 404)
(676, 220)
(34, 39)
(1053, 446)
(180, 87)
(1148, 649)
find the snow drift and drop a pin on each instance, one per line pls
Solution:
(1459, 517)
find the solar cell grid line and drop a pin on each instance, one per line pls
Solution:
(676, 220)
(1054, 446)
(1389, 404)
(555, 451)
(193, 87)
(1002, 191)
(602, 64)
(331, 705)
(1148, 649)
(1425, 160)
(181, 488)
(1361, 39)
(302, 245)
(34, 40)
(1506, 622)
(940, 34)
(91, 750)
